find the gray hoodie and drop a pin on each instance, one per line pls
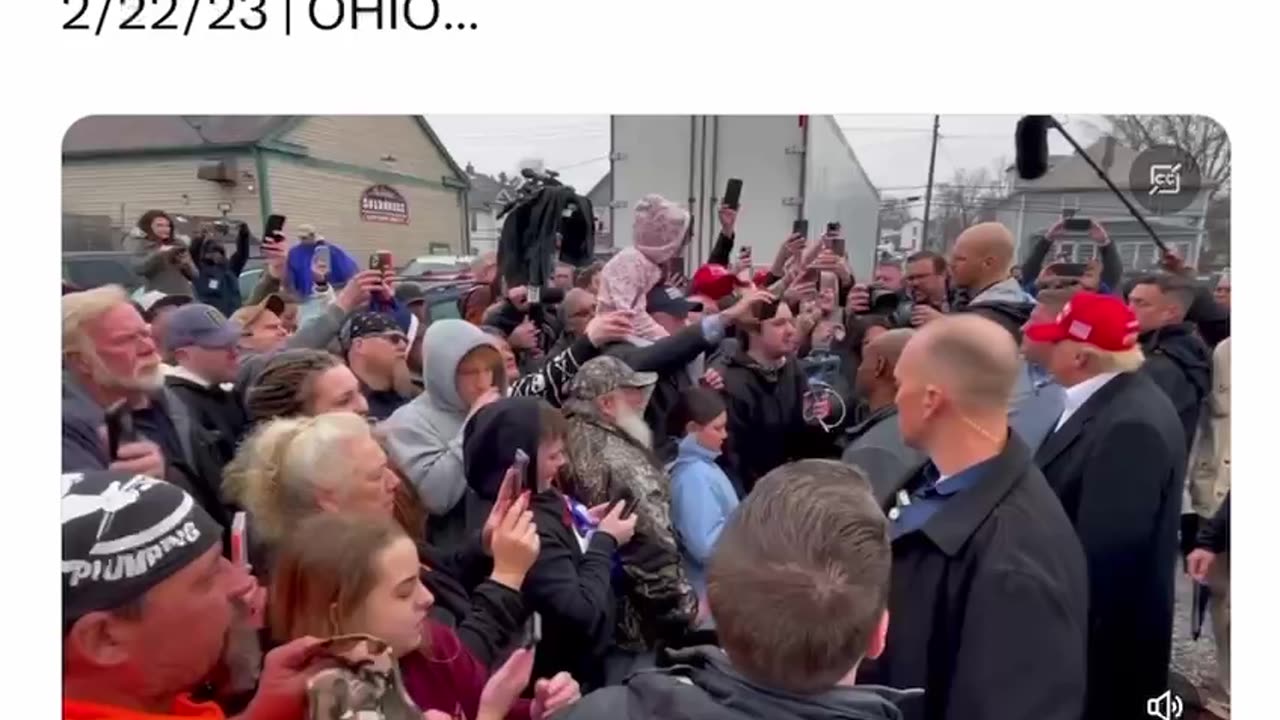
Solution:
(1007, 290)
(424, 437)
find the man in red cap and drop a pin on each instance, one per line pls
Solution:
(1116, 460)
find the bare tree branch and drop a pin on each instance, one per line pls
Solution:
(1197, 135)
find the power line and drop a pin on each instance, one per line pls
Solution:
(581, 163)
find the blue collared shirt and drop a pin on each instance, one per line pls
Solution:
(929, 498)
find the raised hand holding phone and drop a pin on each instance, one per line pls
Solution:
(514, 538)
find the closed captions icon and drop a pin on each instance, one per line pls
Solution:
(1166, 179)
(1166, 706)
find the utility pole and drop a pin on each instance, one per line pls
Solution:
(928, 188)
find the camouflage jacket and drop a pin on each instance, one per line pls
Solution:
(658, 602)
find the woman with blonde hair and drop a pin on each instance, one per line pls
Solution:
(293, 468)
(338, 575)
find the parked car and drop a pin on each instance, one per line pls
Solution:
(88, 270)
(444, 298)
(437, 267)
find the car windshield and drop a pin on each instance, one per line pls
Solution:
(426, 266)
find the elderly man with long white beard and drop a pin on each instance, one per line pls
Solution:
(611, 457)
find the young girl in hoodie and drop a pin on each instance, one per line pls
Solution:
(660, 231)
(341, 574)
(702, 497)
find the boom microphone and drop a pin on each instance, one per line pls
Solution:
(1031, 141)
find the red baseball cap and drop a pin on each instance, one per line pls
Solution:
(713, 281)
(1103, 321)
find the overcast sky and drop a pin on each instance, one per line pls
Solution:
(894, 149)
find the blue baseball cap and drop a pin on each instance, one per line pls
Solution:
(669, 300)
(200, 325)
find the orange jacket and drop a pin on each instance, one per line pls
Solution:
(183, 707)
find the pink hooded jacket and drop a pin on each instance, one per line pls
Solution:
(658, 235)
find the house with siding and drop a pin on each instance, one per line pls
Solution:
(487, 197)
(1033, 206)
(366, 182)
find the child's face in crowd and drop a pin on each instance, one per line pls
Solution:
(397, 606)
(712, 435)
(550, 459)
(475, 375)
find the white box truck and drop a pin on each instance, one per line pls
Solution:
(792, 167)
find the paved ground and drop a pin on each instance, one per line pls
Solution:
(1193, 659)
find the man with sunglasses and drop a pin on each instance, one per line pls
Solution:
(375, 347)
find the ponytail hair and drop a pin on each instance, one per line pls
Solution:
(698, 405)
(278, 469)
(286, 384)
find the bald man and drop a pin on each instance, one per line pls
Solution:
(576, 310)
(989, 589)
(875, 445)
(980, 263)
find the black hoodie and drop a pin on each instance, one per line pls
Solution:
(704, 686)
(569, 587)
(1180, 363)
(766, 419)
(572, 590)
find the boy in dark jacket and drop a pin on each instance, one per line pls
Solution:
(217, 280)
(798, 587)
(202, 345)
(570, 585)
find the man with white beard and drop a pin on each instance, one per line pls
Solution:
(110, 361)
(611, 458)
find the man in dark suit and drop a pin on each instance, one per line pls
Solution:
(1117, 461)
(988, 592)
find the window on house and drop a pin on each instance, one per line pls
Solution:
(1128, 255)
(1147, 255)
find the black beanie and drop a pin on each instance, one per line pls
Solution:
(491, 437)
(124, 534)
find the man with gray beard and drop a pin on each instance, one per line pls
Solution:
(110, 361)
(610, 449)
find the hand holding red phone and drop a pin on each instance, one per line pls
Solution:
(515, 544)
(508, 492)
(359, 289)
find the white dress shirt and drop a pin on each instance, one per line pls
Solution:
(1079, 394)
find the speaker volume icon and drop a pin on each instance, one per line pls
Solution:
(1166, 707)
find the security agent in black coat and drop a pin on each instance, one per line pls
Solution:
(1117, 464)
(987, 601)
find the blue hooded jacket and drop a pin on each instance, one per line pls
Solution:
(702, 499)
(342, 267)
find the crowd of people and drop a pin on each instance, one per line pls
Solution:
(958, 489)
